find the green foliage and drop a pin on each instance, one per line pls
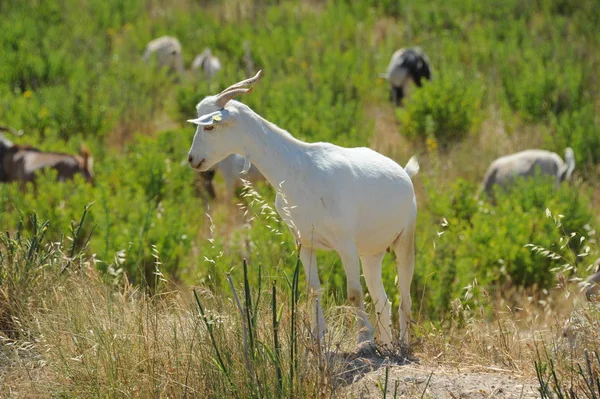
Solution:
(141, 199)
(72, 71)
(445, 109)
(580, 130)
(538, 85)
(483, 243)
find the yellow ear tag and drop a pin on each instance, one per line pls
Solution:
(216, 118)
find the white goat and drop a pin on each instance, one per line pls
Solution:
(231, 169)
(207, 63)
(525, 163)
(352, 200)
(167, 51)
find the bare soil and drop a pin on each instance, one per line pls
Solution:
(363, 374)
(433, 381)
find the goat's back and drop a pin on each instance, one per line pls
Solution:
(23, 163)
(349, 191)
(407, 62)
(524, 163)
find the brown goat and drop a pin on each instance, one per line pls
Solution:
(21, 163)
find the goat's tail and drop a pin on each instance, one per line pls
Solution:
(412, 166)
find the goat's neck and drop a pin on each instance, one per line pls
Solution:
(280, 157)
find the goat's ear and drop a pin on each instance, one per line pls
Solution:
(214, 118)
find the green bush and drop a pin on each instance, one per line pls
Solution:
(142, 199)
(444, 109)
(580, 130)
(72, 71)
(476, 241)
(538, 85)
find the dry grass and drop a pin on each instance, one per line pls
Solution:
(89, 339)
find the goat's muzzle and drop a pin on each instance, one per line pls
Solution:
(198, 165)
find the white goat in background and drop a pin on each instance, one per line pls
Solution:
(503, 170)
(207, 63)
(352, 200)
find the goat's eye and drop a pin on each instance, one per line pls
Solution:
(209, 127)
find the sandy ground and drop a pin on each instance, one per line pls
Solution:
(363, 374)
(427, 381)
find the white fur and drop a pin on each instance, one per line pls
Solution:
(351, 200)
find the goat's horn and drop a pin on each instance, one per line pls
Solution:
(228, 95)
(247, 82)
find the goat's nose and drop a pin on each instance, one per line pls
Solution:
(190, 159)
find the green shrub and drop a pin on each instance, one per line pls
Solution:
(538, 85)
(72, 70)
(580, 130)
(476, 241)
(444, 109)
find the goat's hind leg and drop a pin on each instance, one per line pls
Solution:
(351, 264)
(404, 249)
(308, 257)
(372, 267)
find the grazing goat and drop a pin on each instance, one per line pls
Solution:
(167, 51)
(207, 63)
(405, 65)
(231, 168)
(351, 200)
(21, 163)
(525, 164)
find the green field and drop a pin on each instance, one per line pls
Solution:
(508, 75)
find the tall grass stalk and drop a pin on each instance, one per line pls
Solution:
(245, 327)
(209, 327)
(276, 345)
(293, 326)
(248, 308)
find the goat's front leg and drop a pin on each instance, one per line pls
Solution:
(308, 257)
(355, 293)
